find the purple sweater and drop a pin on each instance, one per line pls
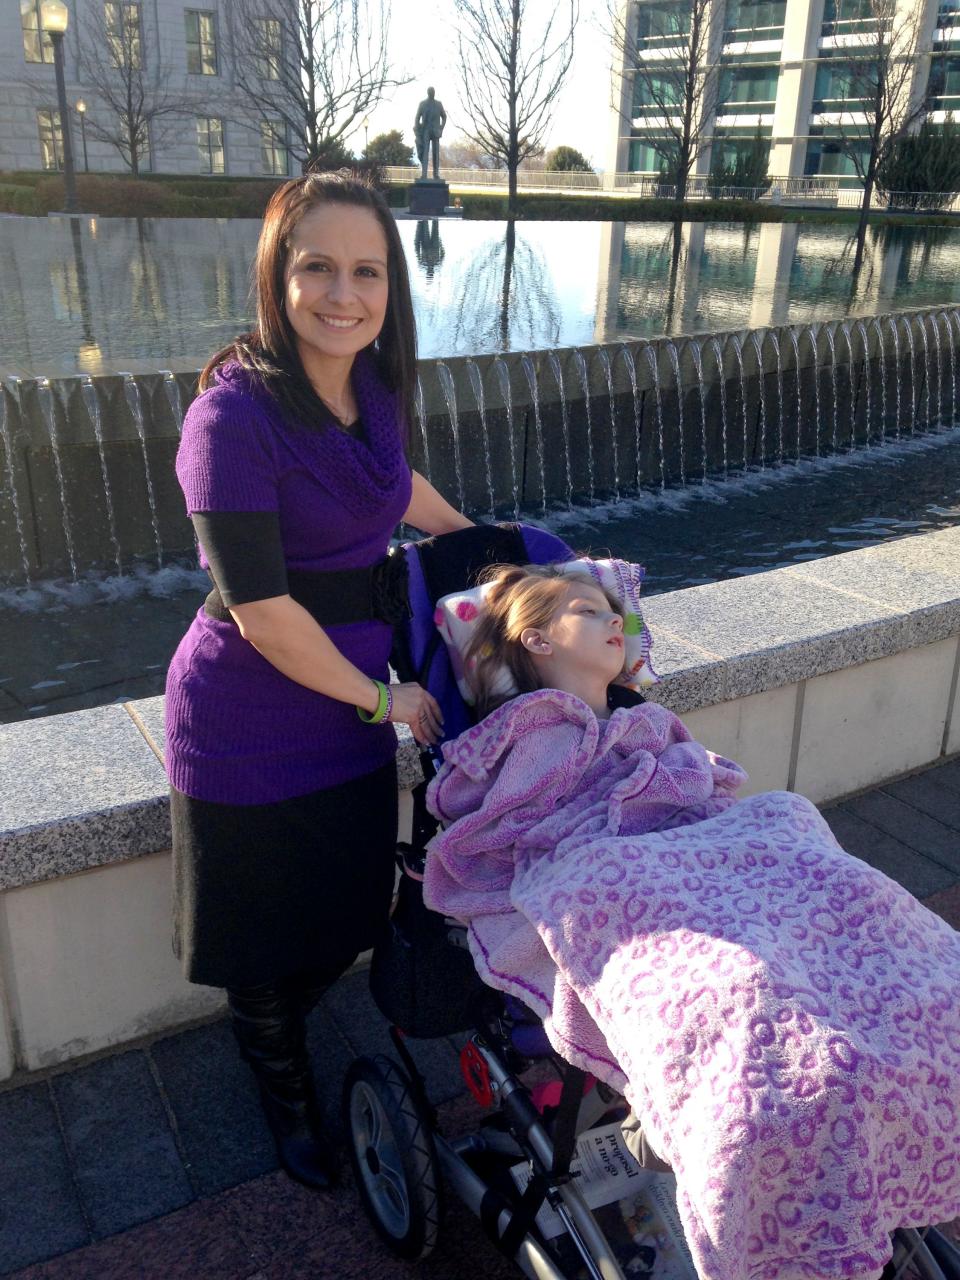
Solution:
(238, 731)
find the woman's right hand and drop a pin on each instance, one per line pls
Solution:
(414, 706)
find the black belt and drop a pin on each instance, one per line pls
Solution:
(339, 596)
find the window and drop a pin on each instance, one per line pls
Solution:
(122, 23)
(269, 48)
(663, 23)
(761, 18)
(749, 83)
(37, 45)
(210, 144)
(839, 80)
(51, 139)
(943, 87)
(201, 42)
(653, 91)
(828, 155)
(273, 148)
(645, 158)
(843, 16)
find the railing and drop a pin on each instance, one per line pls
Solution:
(645, 186)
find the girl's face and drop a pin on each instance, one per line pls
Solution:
(584, 637)
(336, 280)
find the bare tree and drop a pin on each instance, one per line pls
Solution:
(665, 74)
(513, 67)
(136, 106)
(313, 69)
(878, 102)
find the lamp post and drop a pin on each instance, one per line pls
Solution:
(82, 113)
(54, 16)
(366, 130)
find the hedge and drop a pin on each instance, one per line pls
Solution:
(18, 199)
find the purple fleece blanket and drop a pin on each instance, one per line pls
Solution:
(784, 1019)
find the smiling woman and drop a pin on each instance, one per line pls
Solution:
(279, 751)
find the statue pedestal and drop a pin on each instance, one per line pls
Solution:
(429, 197)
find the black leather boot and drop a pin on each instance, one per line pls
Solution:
(268, 1022)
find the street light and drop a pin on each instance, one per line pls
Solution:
(82, 113)
(54, 17)
(366, 127)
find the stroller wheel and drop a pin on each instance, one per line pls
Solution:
(393, 1157)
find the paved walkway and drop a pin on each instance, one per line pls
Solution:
(155, 1163)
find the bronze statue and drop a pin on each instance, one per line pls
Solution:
(427, 129)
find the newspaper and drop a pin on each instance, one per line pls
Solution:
(635, 1208)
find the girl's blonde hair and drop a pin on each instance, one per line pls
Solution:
(522, 596)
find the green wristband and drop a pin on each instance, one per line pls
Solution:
(383, 706)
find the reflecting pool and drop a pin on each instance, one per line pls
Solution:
(100, 295)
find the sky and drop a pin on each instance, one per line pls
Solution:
(423, 44)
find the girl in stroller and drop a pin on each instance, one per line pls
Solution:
(784, 1019)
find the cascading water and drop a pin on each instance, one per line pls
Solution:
(604, 357)
(553, 360)
(953, 369)
(896, 364)
(936, 338)
(174, 398)
(48, 407)
(955, 316)
(89, 393)
(812, 335)
(913, 375)
(530, 372)
(506, 391)
(846, 331)
(795, 342)
(865, 376)
(7, 440)
(926, 369)
(628, 360)
(718, 356)
(878, 329)
(476, 382)
(445, 378)
(132, 393)
(675, 361)
(775, 342)
(832, 344)
(738, 352)
(654, 363)
(581, 364)
(696, 353)
(422, 420)
(758, 349)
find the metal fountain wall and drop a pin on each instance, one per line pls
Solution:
(87, 463)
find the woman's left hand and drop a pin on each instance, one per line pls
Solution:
(414, 706)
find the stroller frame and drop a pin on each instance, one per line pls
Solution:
(401, 1159)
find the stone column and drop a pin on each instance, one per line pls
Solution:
(621, 94)
(608, 281)
(798, 68)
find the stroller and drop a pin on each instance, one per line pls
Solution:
(526, 1169)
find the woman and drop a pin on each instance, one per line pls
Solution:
(783, 1019)
(279, 751)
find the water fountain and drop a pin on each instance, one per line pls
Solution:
(559, 433)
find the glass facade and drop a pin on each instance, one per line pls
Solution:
(653, 91)
(943, 87)
(122, 23)
(841, 17)
(659, 23)
(840, 83)
(37, 45)
(755, 19)
(645, 158)
(748, 82)
(273, 148)
(828, 155)
(210, 144)
(201, 31)
(269, 48)
(51, 138)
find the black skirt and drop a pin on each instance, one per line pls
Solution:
(265, 891)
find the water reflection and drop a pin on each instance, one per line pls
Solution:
(140, 294)
(428, 246)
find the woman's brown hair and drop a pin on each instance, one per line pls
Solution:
(521, 596)
(270, 353)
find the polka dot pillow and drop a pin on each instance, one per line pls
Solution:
(456, 616)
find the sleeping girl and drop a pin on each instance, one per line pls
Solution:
(783, 1018)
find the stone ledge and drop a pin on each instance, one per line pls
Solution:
(86, 789)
